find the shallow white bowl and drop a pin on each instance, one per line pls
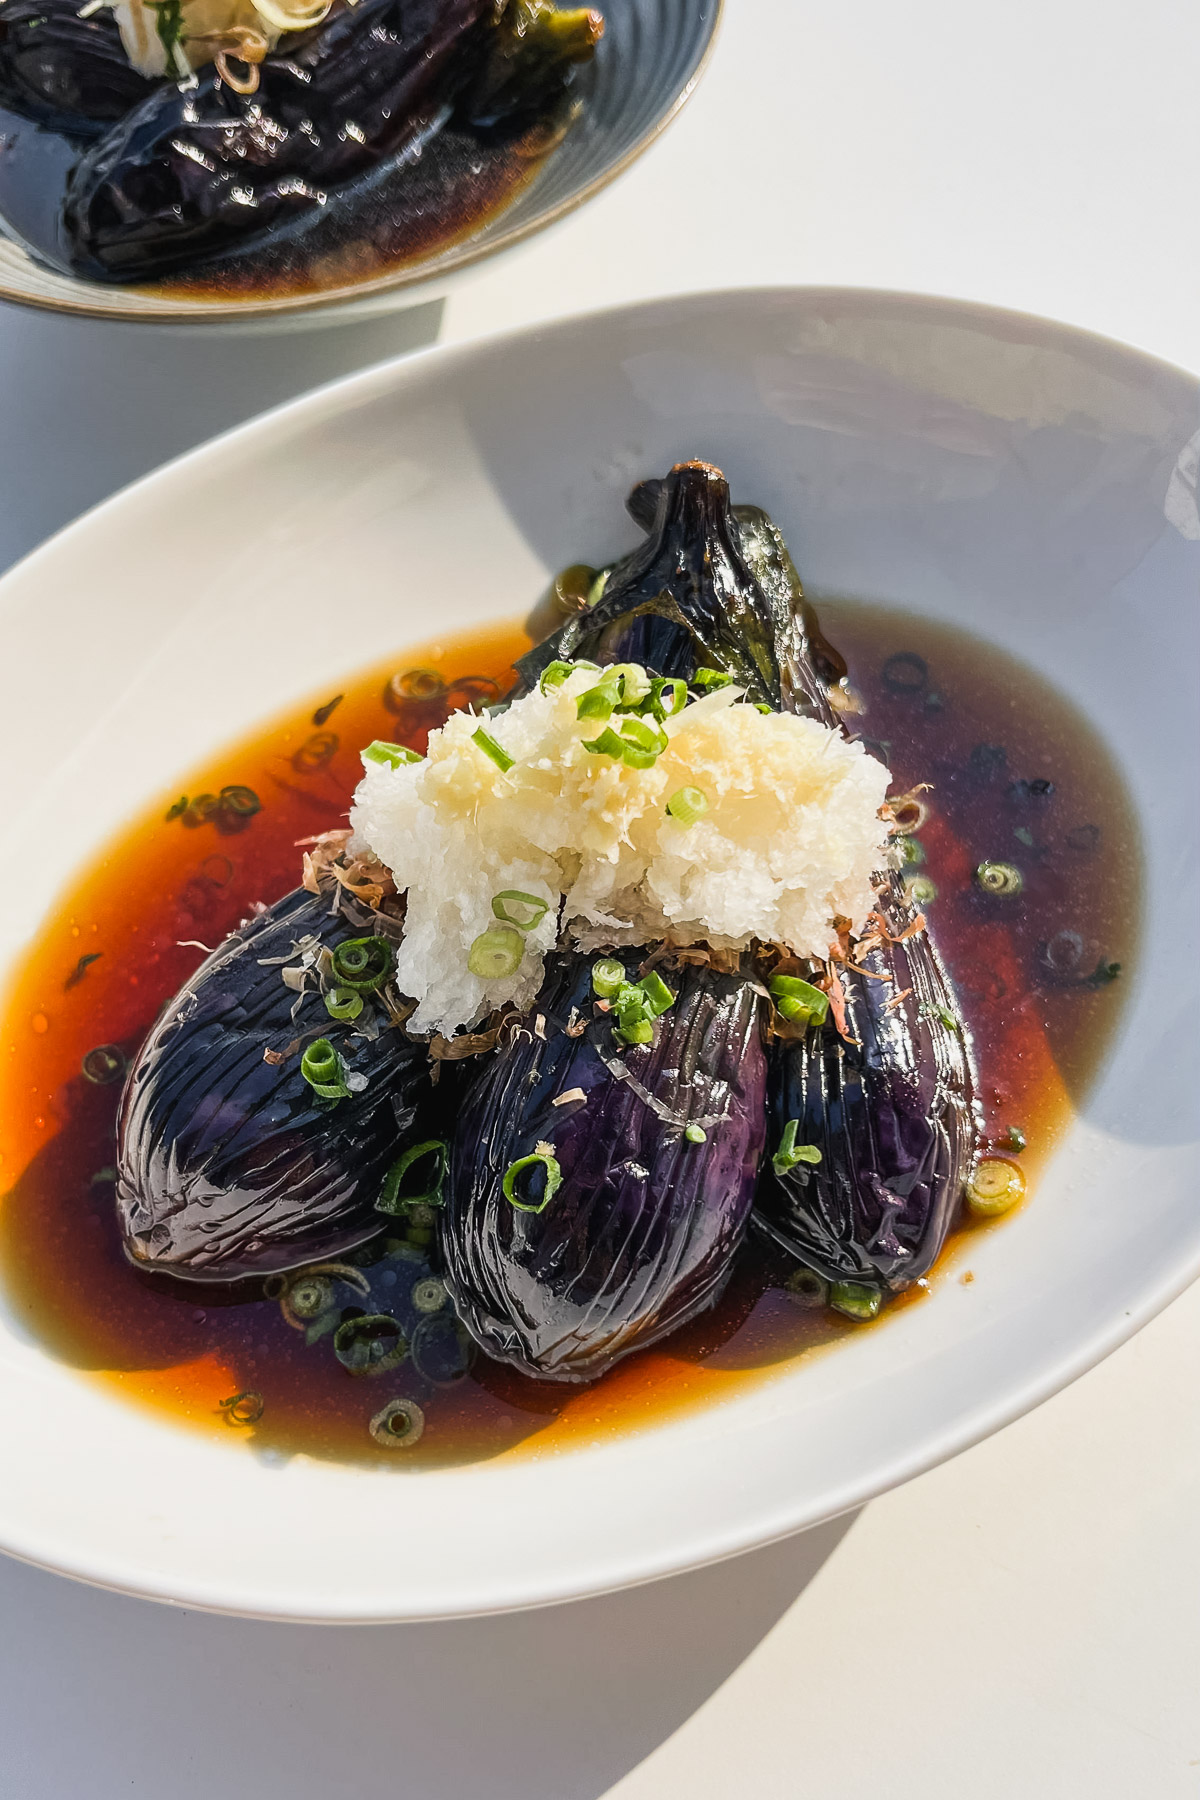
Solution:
(1035, 484)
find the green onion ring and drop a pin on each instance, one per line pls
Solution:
(324, 1071)
(514, 897)
(391, 1200)
(553, 1181)
(363, 963)
(608, 977)
(343, 1003)
(496, 953)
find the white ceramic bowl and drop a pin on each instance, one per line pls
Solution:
(1034, 483)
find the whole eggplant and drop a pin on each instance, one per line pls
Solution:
(890, 1107)
(63, 71)
(229, 1164)
(197, 170)
(642, 1233)
(688, 598)
(893, 1114)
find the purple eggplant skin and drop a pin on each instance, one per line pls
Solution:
(68, 73)
(892, 1114)
(230, 1166)
(642, 1234)
(196, 171)
(689, 598)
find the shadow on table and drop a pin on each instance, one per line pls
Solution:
(94, 405)
(107, 1696)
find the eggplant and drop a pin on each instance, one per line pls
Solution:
(641, 1234)
(689, 598)
(527, 70)
(68, 73)
(890, 1107)
(231, 1165)
(893, 1113)
(198, 170)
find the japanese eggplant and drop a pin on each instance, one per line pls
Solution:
(887, 1100)
(197, 170)
(581, 1220)
(64, 71)
(231, 1163)
(685, 599)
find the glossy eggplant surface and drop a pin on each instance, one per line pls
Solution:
(655, 1152)
(231, 1164)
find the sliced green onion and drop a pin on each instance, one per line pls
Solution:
(391, 756)
(760, 706)
(241, 802)
(555, 673)
(490, 747)
(369, 1343)
(496, 953)
(608, 977)
(324, 1070)
(307, 1297)
(392, 1200)
(658, 996)
(362, 963)
(631, 681)
(920, 890)
(798, 1000)
(103, 1065)
(398, 1425)
(643, 735)
(807, 1288)
(530, 902)
(635, 1030)
(790, 1152)
(999, 878)
(913, 851)
(343, 1003)
(708, 679)
(855, 1300)
(994, 1187)
(635, 758)
(553, 1181)
(687, 804)
(598, 702)
(667, 697)
(243, 1409)
(607, 744)
(1014, 1140)
(696, 1134)
(430, 1294)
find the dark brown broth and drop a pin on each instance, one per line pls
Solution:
(1038, 1038)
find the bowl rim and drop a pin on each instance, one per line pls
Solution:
(418, 279)
(748, 1529)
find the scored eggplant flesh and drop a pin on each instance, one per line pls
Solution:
(231, 1165)
(642, 1234)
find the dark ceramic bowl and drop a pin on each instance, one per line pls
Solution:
(353, 260)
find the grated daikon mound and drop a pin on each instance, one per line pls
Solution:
(790, 840)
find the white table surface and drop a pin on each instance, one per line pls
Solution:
(1024, 1621)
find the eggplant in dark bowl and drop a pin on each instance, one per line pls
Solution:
(217, 158)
